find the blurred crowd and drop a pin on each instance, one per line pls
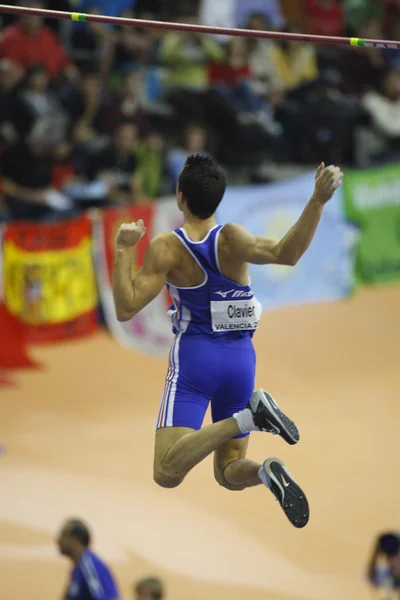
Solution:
(94, 114)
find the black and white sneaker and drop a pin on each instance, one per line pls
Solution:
(267, 417)
(288, 493)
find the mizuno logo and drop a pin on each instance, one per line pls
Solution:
(235, 294)
(224, 294)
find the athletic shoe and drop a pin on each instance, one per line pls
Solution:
(288, 493)
(267, 417)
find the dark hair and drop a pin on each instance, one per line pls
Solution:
(389, 544)
(202, 183)
(153, 585)
(78, 530)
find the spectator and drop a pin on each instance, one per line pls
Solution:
(87, 112)
(195, 141)
(36, 113)
(116, 165)
(232, 82)
(92, 43)
(152, 178)
(127, 103)
(384, 109)
(30, 41)
(362, 69)
(187, 55)
(293, 65)
(90, 577)
(133, 47)
(384, 566)
(265, 81)
(27, 183)
(149, 588)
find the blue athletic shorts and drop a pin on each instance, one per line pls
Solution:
(204, 369)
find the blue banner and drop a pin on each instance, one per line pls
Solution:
(325, 272)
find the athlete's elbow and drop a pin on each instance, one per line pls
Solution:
(287, 259)
(124, 315)
(291, 261)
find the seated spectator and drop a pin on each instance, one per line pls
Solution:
(151, 178)
(149, 588)
(293, 65)
(133, 47)
(35, 113)
(363, 69)
(87, 111)
(91, 43)
(27, 183)
(195, 141)
(30, 42)
(127, 103)
(325, 17)
(187, 56)
(232, 82)
(384, 108)
(116, 165)
(263, 73)
(384, 565)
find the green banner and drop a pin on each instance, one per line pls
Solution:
(372, 203)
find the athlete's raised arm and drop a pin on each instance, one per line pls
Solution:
(132, 295)
(260, 250)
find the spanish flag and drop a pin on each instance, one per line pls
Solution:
(49, 278)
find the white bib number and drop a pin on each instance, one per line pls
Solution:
(235, 315)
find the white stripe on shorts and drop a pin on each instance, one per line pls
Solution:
(169, 417)
(166, 413)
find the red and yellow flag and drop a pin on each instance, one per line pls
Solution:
(49, 278)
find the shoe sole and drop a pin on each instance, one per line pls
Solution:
(285, 427)
(288, 493)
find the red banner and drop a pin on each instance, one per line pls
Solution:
(49, 278)
(150, 331)
(113, 218)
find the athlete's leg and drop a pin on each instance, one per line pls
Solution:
(232, 469)
(179, 449)
(192, 378)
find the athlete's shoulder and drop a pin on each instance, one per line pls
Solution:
(233, 233)
(163, 241)
(162, 249)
